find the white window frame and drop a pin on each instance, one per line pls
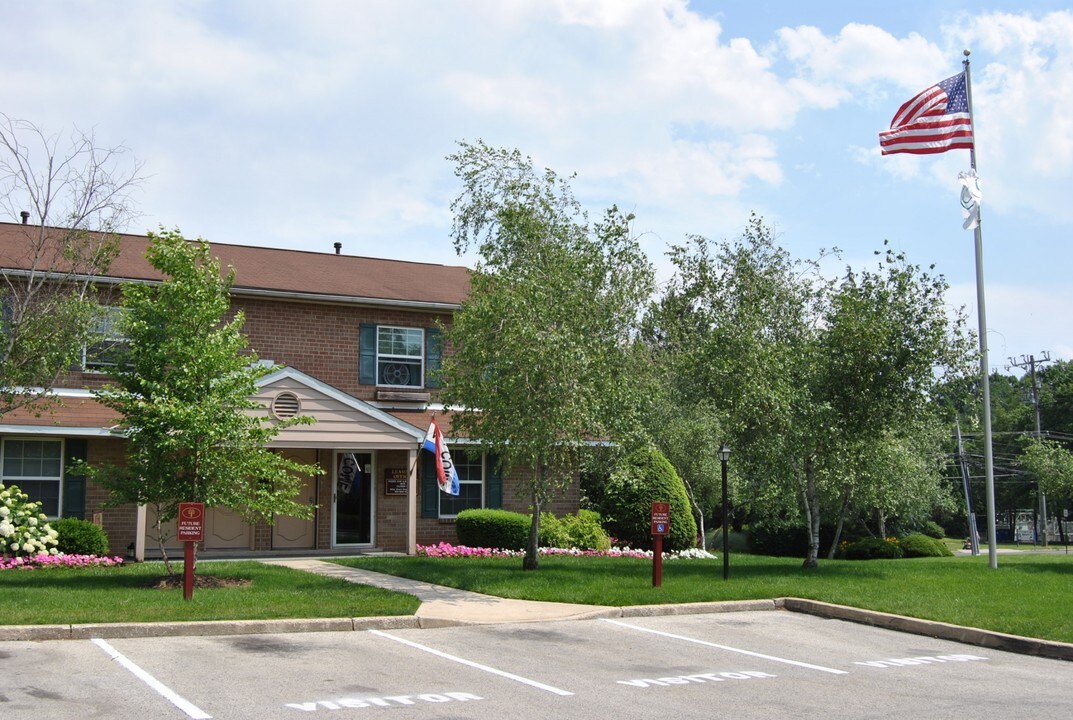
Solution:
(21, 479)
(106, 328)
(483, 482)
(385, 358)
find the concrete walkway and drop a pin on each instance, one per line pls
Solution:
(448, 606)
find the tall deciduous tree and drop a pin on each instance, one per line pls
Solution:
(1051, 465)
(816, 378)
(71, 199)
(184, 393)
(542, 347)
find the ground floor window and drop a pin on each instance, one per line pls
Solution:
(36, 466)
(471, 476)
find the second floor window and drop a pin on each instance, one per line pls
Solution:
(400, 356)
(103, 354)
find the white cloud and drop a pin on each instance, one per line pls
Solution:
(861, 54)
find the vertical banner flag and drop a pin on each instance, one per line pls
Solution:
(933, 121)
(971, 197)
(446, 474)
(349, 473)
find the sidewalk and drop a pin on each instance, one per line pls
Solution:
(448, 606)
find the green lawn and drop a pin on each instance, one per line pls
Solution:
(123, 594)
(1027, 595)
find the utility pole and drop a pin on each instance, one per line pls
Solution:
(974, 536)
(1030, 362)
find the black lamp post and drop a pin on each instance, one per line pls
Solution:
(724, 456)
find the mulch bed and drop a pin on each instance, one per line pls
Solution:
(171, 582)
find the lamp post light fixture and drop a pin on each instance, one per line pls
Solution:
(724, 456)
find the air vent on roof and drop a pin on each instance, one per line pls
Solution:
(286, 406)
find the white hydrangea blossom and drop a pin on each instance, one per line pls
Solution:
(24, 529)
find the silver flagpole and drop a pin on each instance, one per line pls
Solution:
(992, 551)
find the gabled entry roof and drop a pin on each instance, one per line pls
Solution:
(342, 421)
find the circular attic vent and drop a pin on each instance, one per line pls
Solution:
(286, 406)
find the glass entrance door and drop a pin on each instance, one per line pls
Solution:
(354, 499)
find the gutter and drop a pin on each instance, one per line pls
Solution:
(259, 292)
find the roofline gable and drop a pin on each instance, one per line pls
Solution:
(287, 372)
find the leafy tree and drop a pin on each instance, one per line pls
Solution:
(542, 346)
(736, 328)
(814, 377)
(183, 391)
(71, 202)
(1051, 465)
(1056, 397)
(884, 334)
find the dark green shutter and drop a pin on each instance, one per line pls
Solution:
(493, 490)
(430, 489)
(367, 354)
(433, 357)
(74, 486)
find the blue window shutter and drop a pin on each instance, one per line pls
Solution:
(493, 490)
(430, 489)
(74, 486)
(433, 357)
(367, 354)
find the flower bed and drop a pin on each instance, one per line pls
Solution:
(448, 550)
(60, 560)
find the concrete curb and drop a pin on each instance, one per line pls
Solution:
(944, 631)
(699, 608)
(205, 627)
(398, 622)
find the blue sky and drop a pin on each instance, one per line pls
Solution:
(297, 124)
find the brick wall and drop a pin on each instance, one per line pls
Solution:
(120, 522)
(319, 339)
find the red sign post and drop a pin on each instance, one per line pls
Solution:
(190, 529)
(661, 525)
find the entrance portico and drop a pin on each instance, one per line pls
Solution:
(368, 488)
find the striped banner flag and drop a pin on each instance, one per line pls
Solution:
(933, 121)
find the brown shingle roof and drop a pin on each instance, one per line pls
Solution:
(285, 271)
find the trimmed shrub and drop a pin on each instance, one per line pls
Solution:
(583, 531)
(920, 545)
(501, 529)
(872, 549)
(646, 476)
(80, 537)
(933, 529)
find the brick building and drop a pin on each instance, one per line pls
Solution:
(353, 341)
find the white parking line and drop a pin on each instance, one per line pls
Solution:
(472, 664)
(186, 706)
(798, 663)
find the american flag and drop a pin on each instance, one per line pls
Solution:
(933, 121)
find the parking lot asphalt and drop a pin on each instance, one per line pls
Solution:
(766, 665)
